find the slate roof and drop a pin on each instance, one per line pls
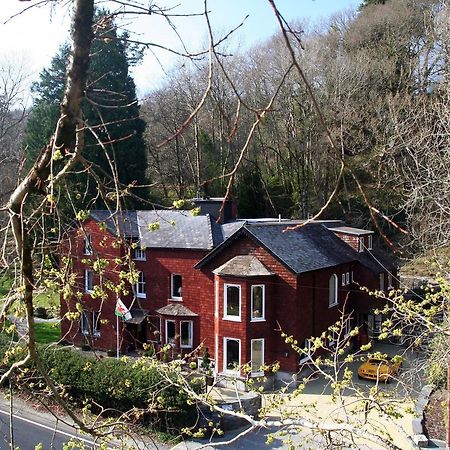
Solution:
(310, 247)
(178, 229)
(137, 316)
(243, 266)
(176, 309)
(125, 220)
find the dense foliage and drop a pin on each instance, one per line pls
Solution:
(379, 77)
(121, 385)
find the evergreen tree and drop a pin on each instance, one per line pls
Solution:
(110, 108)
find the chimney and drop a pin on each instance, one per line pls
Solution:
(212, 207)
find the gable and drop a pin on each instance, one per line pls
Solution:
(311, 247)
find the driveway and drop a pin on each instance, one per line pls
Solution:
(316, 403)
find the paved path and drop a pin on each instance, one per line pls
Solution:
(316, 403)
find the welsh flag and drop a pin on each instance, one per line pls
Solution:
(122, 310)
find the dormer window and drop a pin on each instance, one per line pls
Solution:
(139, 254)
(88, 244)
(370, 242)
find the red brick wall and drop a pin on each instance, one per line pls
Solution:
(158, 267)
(106, 246)
(299, 306)
(197, 291)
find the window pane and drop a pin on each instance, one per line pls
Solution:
(257, 355)
(257, 311)
(170, 330)
(232, 349)
(333, 290)
(88, 245)
(96, 323)
(177, 285)
(233, 301)
(88, 280)
(84, 323)
(185, 334)
(140, 286)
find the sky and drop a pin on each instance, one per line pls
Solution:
(31, 38)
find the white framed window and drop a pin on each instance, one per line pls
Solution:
(347, 326)
(231, 355)
(343, 279)
(232, 302)
(258, 303)
(140, 286)
(176, 287)
(333, 290)
(351, 277)
(139, 254)
(306, 355)
(347, 278)
(390, 285)
(84, 323)
(186, 333)
(361, 243)
(257, 357)
(381, 281)
(370, 242)
(87, 248)
(170, 332)
(96, 323)
(88, 281)
(90, 323)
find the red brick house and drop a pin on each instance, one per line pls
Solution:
(229, 286)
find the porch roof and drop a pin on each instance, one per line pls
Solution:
(137, 316)
(176, 309)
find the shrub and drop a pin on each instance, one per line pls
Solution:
(117, 384)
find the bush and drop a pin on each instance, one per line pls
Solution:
(117, 384)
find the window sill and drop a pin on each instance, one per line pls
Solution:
(141, 295)
(232, 318)
(88, 292)
(185, 346)
(333, 305)
(176, 299)
(258, 319)
(139, 259)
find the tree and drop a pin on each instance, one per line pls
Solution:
(115, 145)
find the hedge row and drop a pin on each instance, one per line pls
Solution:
(117, 384)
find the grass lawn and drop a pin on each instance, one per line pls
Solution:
(47, 299)
(47, 332)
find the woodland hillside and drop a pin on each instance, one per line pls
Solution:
(379, 78)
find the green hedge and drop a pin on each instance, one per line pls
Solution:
(117, 384)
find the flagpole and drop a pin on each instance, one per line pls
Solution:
(117, 334)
